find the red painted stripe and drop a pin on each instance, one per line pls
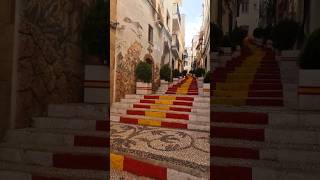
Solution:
(151, 97)
(265, 94)
(180, 109)
(177, 116)
(237, 133)
(182, 103)
(144, 169)
(234, 152)
(310, 87)
(308, 93)
(240, 117)
(174, 125)
(135, 112)
(147, 101)
(264, 102)
(128, 120)
(35, 177)
(185, 98)
(92, 162)
(141, 106)
(230, 173)
(103, 125)
(91, 141)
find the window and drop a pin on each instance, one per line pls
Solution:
(245, 7)
(150, 34)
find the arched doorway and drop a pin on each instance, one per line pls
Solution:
(149, 59)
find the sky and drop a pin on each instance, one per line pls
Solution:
(193, 11)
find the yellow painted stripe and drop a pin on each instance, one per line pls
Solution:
(116, 161)
(165, 102)
(167, 97)
(155, 114)
(148, 122)
(160, 107)
(310, 90)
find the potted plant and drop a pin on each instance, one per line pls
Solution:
(165, 76)
(284, 36)
(226, 51)
(175, 75)
(184, 72)
(143, 75)
(199, 72)
(215, 41)
(206, 83)
(237, 37)
(258, 35)
(309, 73)
(94, 42)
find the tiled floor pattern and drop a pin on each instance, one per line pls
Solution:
(155, 138)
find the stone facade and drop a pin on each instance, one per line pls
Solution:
(50, 66)
(133, 19)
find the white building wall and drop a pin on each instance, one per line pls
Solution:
(251, 17)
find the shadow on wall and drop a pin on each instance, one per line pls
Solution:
(50, 64)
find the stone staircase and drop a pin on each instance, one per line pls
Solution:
(253, 135)
(166, 135)
(70, 143)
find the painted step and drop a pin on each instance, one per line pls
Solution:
(287, 135)
(59, 157)
(166, 102)
(66, 138)
(225, 168)
(16, 171)
(161, 122)
(247, 101)
(117, 106)
(191, 93)
(168, 114)
(187, 156)
(257, 172)
(219, 93)
(240, 117)
(246, 86)
(145, 170)
(70, 123)
(89, 111)
(168, 97)
(288, 153)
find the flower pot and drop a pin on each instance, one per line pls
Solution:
(214, 60)
(96, 84)
(143, 88)
(175, 80)
(309, 89)
(206, 89)
(163, 86)
(200, 82)
(289, 66)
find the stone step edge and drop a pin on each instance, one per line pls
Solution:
(196, 98)
(264, 127)
(263, 145)
(60, 132)
(182, 121)
(249, 163)
(152, 170)
(164, 111)
(178, 106)
(179, 124)
(77, 150)
(27, 172)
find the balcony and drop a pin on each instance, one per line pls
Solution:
(175, 46)
(176, 19)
